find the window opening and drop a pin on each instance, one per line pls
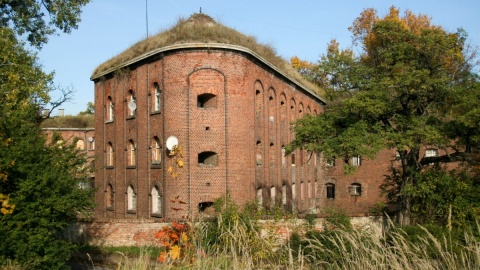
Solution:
(110, 155)
(330, 191)
(208, 159)
(355, 189)
(156, 98)
(357, 161)
(109, 196)
(131, 153)
(156, 201)
(207, 101)
(132, 106)
(109, 109)
(156, 152)
(131, 199)
(204, 205)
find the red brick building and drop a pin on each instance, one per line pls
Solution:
(230, 106)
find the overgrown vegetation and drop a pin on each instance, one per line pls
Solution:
(201, 28)
(70, 121)
(236, 240)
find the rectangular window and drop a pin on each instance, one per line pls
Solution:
(356, 161)
(330, 191)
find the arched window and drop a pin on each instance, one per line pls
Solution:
(80, 145)
(92, 143)
(258, 153)
(131, 199)
(131, 105)
(110, 154)
(156, 98)
(156, 151)
(156, 201)
(355, 189)
(260, 197)
(330, 187)
(131, 153)
(109, 196)
(208, 159)
(109, 109)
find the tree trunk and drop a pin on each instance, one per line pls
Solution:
(404, 213)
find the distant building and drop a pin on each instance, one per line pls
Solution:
(84, 139)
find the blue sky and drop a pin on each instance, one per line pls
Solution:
(302, 28)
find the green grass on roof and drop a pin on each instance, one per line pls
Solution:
(202, 28)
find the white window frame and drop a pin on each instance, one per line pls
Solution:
(131, 199)
(156, 201)
(356, 161)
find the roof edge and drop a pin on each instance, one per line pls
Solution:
(205, 45)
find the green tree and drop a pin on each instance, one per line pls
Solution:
(410, 88)
(90, 109)
(40, 179)
(37, 19)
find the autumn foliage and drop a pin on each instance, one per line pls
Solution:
(175, 238)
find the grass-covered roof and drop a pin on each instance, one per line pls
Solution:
(200, 28)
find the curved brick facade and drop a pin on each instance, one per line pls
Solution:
(231, 112)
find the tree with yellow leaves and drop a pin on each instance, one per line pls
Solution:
(412, 87)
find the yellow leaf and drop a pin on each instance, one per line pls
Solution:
(180, 163)
(170, 169)
(184, 237)
(174, 252)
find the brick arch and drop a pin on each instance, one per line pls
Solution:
(155, 97)
(131, 182)
(212, 81)
(261, 160)
(301, 110)
(204, 86)
(293, 109)
(158, 184)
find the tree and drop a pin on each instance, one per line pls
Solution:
(409, 88)
(90, 109)
(28, 17)
(39, 180)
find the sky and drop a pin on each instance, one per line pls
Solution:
(300, 28)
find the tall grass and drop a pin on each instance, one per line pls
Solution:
(240, 247)
(358, 249)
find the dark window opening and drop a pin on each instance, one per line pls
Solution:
(208, 159)
(204, 205)
(207, 101)
(330, 191)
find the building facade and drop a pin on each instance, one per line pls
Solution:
(230, 111)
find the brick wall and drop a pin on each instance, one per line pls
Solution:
(121, 232)
(232, 128)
